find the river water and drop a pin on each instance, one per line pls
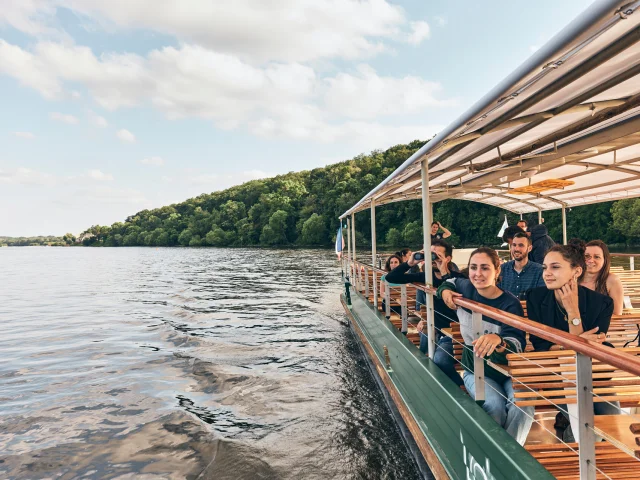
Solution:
(153, 363)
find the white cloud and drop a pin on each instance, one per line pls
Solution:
(126, 136)
(25, 135)
(27, 176)
(98, 120)
(64, 118)
(191, 81)
(99, 175)
(278, 30)
(440, 20)
(419, 31)
(367, 95)
(29, 16)
(281, 30)
(154, 161)
(107, 195)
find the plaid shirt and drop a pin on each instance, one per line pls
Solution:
(518, 283)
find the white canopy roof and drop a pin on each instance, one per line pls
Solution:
(562, 130)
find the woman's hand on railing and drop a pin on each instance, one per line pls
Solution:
(593, 336)
(421, 325)
(447, 298)
(486, 344)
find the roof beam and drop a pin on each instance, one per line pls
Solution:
(607, 53)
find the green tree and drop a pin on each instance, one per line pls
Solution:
(275, 232)
(626, 217)
(185, 237)
(413, 234)
(394, 237)
(195, 241)
(69, 238)
(314, 231)
(217, 237)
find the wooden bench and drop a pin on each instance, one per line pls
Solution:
(560, 460)
(540, 378)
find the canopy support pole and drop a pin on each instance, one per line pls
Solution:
(353, 251)
(539, 217)
(374, 252)
(427, 218)
(564, 226)
(349, 248)
(353, 235)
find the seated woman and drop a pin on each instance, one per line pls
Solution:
(404, 255)
(392, 262)
(567, 306)
(498, 340)
(597, 277)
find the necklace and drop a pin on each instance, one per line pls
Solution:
(562, 311)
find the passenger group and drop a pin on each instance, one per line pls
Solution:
(567, 287)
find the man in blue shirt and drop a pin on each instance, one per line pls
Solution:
(520, 274)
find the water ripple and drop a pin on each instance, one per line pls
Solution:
(185, 363)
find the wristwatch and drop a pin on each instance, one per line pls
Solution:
(575, 321)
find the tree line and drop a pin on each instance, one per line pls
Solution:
(43, 240)
(302, 208)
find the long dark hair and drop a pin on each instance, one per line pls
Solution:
(603, 274)
(387, 266)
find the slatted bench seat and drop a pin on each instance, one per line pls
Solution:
(563, 464)
(537, 378)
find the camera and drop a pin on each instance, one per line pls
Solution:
(434, 257)
(418, 256)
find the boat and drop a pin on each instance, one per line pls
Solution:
(562, 131)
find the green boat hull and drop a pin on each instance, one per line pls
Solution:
(455, 436)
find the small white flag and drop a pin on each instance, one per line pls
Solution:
(504, 227)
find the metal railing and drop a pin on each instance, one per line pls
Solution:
(585, 352)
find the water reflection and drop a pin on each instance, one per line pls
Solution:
(185, 363)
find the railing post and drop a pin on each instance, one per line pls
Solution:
(366, 283)
(478, 363)
(632, 265)
(374, 252)
(403, 308)
(431, 330)
(375, 289)
(387, 299)
(356, 277)
(586, 434)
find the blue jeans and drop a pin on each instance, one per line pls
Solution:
(443, 357)
(515, 420)
(421, 299)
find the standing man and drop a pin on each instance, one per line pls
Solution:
(520, 274)
(435, 227)
(523, 224)
(540, 242)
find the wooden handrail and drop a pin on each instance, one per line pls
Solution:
(569, 341)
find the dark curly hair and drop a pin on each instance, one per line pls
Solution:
(573, 253)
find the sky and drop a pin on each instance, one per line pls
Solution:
(112, 107)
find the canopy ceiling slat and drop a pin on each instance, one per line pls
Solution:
(568, 117)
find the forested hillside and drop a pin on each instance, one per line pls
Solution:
(302, 208)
